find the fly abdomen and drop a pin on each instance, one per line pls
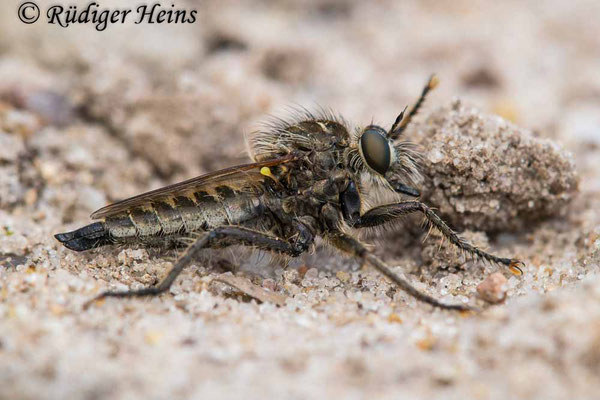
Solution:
(88, 237)
(140, 223)
(227, 208)
(181, 215)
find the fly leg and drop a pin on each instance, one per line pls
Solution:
(386, 213)
(352, 246)
(218, 238)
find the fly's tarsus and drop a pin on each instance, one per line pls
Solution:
(304, 182)
(516, 267)
(390, 212)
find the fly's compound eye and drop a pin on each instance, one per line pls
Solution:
(375, 149)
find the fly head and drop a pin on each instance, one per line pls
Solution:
(391, 163)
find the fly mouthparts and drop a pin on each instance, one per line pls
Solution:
(402, 188)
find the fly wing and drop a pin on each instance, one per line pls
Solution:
(240, 176)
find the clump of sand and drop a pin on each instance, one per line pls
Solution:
(485, 173)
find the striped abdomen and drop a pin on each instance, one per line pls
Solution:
(182, 215)
(174, 217)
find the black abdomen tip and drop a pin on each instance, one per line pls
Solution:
(88, 237)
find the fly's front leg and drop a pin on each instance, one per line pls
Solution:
(386, 213)
(352, 246)
(219, 238)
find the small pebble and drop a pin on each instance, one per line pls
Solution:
(343, 276)
(269, 284)
(493, 288)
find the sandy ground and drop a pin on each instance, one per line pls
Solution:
(90, 117)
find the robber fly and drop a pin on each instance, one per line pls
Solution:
(309, 178)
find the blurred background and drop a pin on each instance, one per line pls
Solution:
(100, 116)
(166, 89)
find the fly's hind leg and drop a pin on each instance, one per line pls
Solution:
(219, 238)
(386, 213)
(352, 246)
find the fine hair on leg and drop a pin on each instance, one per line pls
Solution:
(217, 238)
(348, 244)
(389, 212)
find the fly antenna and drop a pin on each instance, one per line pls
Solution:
(401, 123)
